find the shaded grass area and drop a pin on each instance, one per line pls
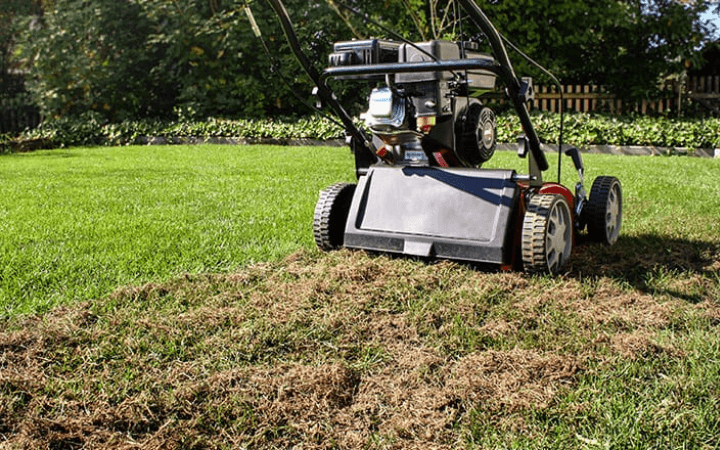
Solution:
(346, 350)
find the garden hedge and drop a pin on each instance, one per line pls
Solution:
(580, 130)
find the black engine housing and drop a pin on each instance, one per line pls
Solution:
(447, 127)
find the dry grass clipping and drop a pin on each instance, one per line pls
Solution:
(341, 350)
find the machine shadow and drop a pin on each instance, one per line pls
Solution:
(644, 261)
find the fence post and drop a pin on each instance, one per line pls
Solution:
(680, 89)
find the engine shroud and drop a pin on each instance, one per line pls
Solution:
(364, 52)
(378, 51)
(421, 118)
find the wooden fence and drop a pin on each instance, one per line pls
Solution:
(704, 91)
(15, 115)
(16, 110)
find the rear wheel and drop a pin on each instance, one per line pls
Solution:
(547, 234)
(603, 212)
(331, 212)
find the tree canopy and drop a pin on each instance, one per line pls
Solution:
(12, 13)
(155, 58)
(627, 46)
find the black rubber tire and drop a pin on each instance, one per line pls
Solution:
(547, 234)
(603, 211)
(331, 212)
(479, 129)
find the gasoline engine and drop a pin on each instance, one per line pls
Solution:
(424, 118)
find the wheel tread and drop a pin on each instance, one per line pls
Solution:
(331, 212)
(596, 208)
(534, 233)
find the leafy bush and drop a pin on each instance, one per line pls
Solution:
(586, 129)
(90, 129)
(580, 130)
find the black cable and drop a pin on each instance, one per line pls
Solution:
(366, 17)
(562, 100)
(392, 33)
(560, 90)
(458, 10)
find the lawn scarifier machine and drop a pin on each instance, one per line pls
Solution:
(420, 187)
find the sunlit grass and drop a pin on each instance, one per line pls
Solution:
(77, 223)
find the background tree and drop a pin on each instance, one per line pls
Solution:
(193, 58)
(158, 58)
(628, 46)
(12, 13)
(91, 56)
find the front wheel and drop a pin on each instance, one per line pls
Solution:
(547, 234)
(603, 212)
(331, 212)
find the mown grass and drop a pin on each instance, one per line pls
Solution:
(77, 223)
(346, 350)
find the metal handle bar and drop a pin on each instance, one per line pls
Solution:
(425, 66)
(504, 70)
(512, 83)
(324, 92)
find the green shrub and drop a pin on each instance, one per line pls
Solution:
(588, 129)
(580, 129)
(90, 129)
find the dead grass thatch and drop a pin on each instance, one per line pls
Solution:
(340, 350)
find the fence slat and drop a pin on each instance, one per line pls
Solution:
(590, 98)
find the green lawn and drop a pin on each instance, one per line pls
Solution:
(78, 223)
(281, 346)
